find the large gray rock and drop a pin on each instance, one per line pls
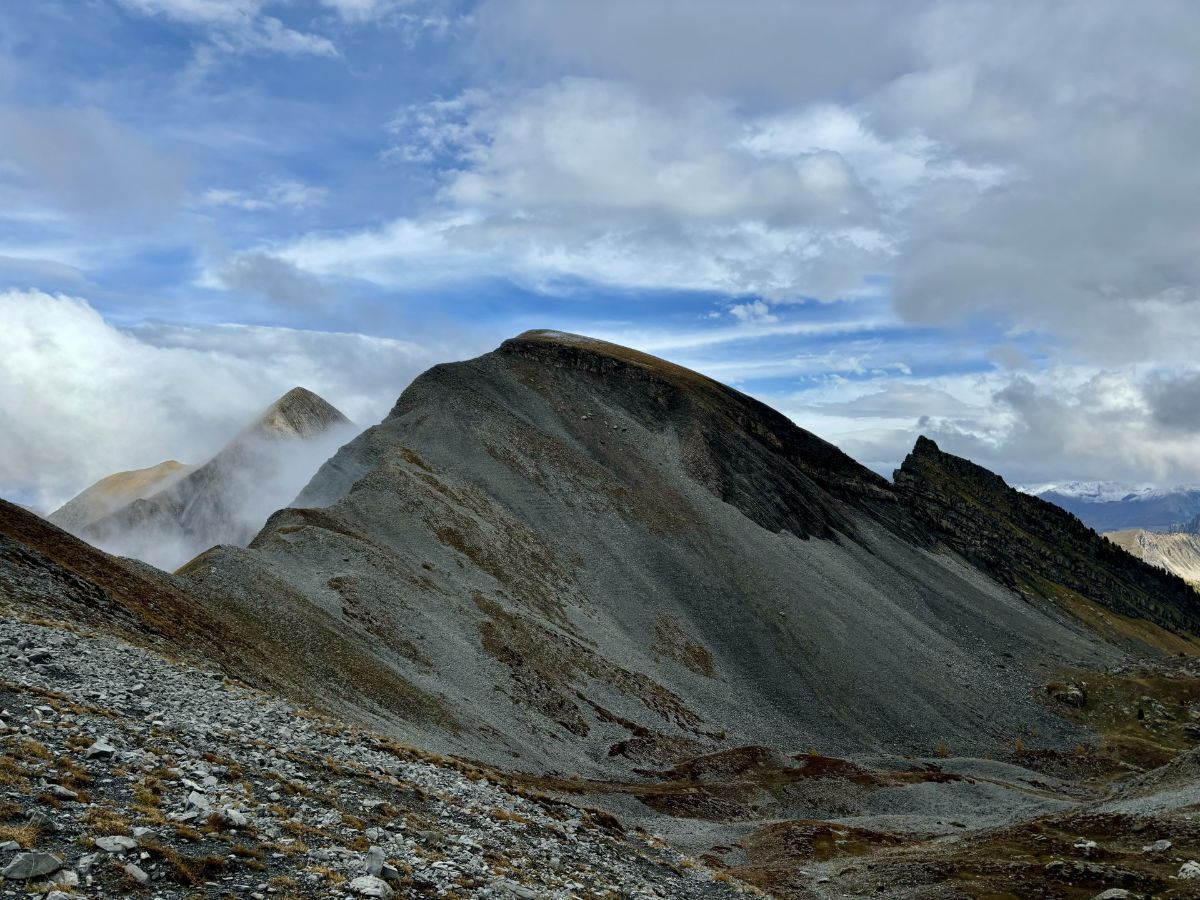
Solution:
(116, 843)
(370, 886)
(374, 860)
(34, 864)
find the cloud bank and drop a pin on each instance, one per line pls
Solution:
(82, 399)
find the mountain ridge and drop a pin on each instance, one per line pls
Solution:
(528, 498)
(1030, 540)
(227, 498)
(114, 491)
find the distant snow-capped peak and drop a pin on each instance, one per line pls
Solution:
(1097, 491)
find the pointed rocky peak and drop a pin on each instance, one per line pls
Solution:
(299, 414)
(927, 456)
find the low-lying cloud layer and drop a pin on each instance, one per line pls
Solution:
(82, 399)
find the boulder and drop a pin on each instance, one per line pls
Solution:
(116, 843)
(34, 864)
(370, 886)
(374, 861)
(101, 749)
(1070, 694)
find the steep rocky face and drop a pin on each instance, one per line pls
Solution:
(228, 498)
(601, 561)
(112, 493)
(1033, 546)
(1177, 552)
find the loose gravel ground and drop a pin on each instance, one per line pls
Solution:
(125, 774)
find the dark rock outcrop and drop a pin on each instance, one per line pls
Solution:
(1033, 546)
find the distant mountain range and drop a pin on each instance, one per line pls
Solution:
(166, 514)
(1113, 506)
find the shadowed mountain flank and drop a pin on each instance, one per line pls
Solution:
(228, 498)
(601, 560)
(1033, 546)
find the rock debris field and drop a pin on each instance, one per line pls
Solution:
(123, 774)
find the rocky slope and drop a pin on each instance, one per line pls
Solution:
(123, 774)
(1033, 546)
(112, 493)
(598, 562)
(611, 582)
(228, 498)
(1176, 552)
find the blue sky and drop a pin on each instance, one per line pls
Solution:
(974, 224)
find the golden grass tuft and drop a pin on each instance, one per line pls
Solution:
(26, 835)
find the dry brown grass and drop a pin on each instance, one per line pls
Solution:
(333, 876)
(102, 821)
(12, 773)
(191, 870)
(188, 833)
(26, 835)
(504, 815)
(147, 796)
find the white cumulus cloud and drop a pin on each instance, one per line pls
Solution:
(80, 398)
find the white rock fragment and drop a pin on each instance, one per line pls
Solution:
(116, 843)
(101, 749)
(233, 818)
(66, 879)
(370, 886)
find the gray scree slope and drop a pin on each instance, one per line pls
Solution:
(579, 558)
